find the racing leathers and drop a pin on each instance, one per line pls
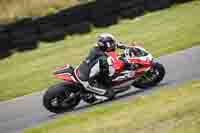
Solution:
(96, 64)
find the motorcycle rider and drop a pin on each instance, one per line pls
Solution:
(98, 63)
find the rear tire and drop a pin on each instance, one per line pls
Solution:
(159, 73)
(60, 93)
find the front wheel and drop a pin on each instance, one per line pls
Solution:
(58, 99)
(152, 77)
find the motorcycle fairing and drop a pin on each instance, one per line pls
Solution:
(122, 77)
(128, 77)
(66, 76)
(118, 64)
(66, 73)
(145, 62)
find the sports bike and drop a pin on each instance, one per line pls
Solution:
(67, 95)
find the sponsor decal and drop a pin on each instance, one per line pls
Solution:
(126, 75)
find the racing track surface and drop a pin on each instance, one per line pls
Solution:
(27, 111)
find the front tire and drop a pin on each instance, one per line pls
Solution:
(55, 99)
(157, 74)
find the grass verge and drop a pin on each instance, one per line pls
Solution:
(163, 32)
(174, 110)
(13, 9)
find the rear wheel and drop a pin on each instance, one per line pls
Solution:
(58, 99)
(151, 77)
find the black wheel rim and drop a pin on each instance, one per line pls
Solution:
(64, 100)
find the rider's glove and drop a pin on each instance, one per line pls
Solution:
(121, 45)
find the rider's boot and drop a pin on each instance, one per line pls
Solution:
(108, 91)
(106, 84)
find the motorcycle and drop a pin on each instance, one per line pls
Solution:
(67, 95)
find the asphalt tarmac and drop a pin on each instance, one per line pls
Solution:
(25, 112)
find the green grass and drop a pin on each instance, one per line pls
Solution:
(174, 110)
(13, 9)
(163, 32)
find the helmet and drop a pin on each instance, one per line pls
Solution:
(106, 42)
